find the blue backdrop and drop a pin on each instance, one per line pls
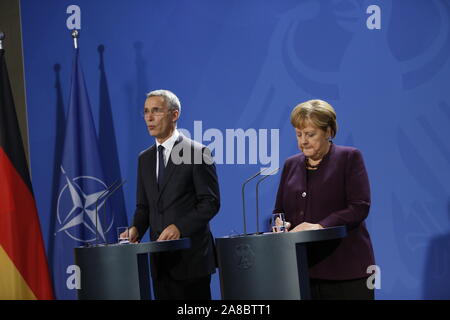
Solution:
(246, 64)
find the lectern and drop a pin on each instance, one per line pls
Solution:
(269, 266)
(119, 271)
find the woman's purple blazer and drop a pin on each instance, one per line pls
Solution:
(336, 194)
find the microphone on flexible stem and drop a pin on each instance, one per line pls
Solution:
(243, 196)
(109, 195)
(96, 207)
(257, 196)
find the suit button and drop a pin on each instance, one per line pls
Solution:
(302, 212)
(303, 194)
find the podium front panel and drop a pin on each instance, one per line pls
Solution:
(270, 266)
(119, 272)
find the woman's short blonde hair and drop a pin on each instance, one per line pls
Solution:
(320, 113)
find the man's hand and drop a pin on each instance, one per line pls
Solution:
(170, 233)
(306, 226)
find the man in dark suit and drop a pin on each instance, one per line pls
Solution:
(177, 196)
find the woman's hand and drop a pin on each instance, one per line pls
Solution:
(306, 226)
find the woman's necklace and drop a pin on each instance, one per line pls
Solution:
(309, 165)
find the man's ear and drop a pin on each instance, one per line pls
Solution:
(176, 115)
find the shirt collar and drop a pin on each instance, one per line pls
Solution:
(168, 144)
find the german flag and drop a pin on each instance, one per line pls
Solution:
(23, 264)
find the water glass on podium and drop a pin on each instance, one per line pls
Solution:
(278, 223)
(123, 235)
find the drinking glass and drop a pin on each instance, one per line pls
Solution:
(278, 224)
(123, 235)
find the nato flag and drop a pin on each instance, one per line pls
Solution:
(82, 190)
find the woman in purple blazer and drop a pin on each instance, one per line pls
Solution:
(326, 186)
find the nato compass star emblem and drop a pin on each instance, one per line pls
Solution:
(76, 209)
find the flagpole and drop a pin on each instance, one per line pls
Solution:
(2, 37)
(75, 36)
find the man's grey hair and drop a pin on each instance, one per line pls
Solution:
(169, 97)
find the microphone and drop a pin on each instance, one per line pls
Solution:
(114, 186)
(96, 209)
(110, 194)
(243, 196)
(257, 196)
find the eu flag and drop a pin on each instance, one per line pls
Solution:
(82, 191)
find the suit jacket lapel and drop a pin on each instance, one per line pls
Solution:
(171, 167)
(302, 170)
